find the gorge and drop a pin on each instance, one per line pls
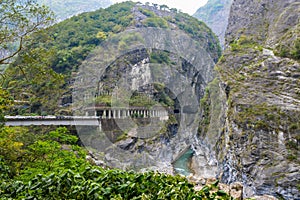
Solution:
(233, 115)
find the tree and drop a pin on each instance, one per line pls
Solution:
(163, 7)
(174, 10)
(101, 35)
(155, 5)
(5, 103)
(18, 19)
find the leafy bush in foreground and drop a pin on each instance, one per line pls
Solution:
(53, 167)
(96, 183)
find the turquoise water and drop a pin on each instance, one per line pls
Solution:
(181, 165)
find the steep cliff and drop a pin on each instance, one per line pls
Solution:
(259, 89)
(215, 14)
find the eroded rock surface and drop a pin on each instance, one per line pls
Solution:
(258, 143)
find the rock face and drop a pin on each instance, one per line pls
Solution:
(258, 104)
(215, 14)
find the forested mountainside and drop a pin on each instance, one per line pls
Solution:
(65, 45)
(68, 8)
(215, 14)
(260, 99)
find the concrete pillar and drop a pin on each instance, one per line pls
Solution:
(119, 114)
(109, 114)
(86, 113)
(114, 114)
(95, 113)
(135, 113)
(143, 113)
(100, 126)
(104, 114)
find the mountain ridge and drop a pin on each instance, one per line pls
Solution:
(215, 14)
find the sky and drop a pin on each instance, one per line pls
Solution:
(187, 6)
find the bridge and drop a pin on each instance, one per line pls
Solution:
(52, 120)
(121, 113)
(90, 119)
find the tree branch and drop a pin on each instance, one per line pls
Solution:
(2, 61)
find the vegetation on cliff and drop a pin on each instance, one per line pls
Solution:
(259, 73)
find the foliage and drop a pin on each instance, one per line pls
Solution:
(47, 168)
(141, 100)
(146, 12)
(160, 57)
(292, 51)
(156, 22)
(28, 154)
(296, 51)
(5, 102)
(32, 81)
(4, 170)
(62, 135)
(74, 38)
(244, 42)
(103, 99)
(96, 183)
(18, 19)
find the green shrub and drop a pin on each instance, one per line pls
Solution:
(156, 22)
(97, 183)
(62, 135)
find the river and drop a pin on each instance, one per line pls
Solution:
(181, 165)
